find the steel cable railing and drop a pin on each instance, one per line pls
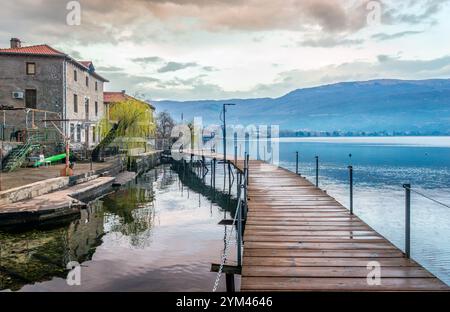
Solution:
(426, 196)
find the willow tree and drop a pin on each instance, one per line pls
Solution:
(130, 120)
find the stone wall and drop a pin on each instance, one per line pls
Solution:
(32, 190)
(143, 162)
(48, 82)
(6, 147)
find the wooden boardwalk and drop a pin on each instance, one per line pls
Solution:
(298, 238)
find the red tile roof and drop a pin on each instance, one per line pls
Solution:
(115, 97)
(42, 49)
(85, 63)
(46, 50)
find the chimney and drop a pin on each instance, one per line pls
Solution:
(15, 43)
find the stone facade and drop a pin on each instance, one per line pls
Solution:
(48, 83)
(57, 80)
(86, 116)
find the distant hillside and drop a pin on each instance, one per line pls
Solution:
(378, 105)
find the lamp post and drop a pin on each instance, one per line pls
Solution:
(225, 130)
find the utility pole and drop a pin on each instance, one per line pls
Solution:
(225, 130)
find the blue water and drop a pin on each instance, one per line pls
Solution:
(381, 167)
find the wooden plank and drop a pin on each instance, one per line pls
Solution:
(323, 254)
(304, 239)
(339, 284)
(270, 232)
(325, 262)
(289, 215)
(320, 246)
(226, 269)
(332, 271)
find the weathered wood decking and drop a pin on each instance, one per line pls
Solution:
(298, 238)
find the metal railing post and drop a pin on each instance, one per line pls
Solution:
(248, 170)
(214, 175)
(407, 220)
(239, 238)
(245, 183)
(317, 171)
(350, 168)
(296, 162)
(238, 183)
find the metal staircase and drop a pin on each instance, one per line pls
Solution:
(35, 138)
(18, 155)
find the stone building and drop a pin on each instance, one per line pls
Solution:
(40, 86)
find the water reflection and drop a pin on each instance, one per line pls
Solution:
(39, 255)
(161, 227)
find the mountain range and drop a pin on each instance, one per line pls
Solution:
(378, 105)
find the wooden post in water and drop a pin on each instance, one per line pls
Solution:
(230, 283)
(214, 175)
(210, 183)
(238, 183)
(229, 177)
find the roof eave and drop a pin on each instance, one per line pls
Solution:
(74, 61)
(30, 54)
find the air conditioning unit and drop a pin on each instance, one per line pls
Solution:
(18, 95)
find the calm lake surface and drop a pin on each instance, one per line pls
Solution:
(160, 232)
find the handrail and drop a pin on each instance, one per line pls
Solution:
(426, 196)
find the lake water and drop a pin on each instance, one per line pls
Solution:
(160, 232)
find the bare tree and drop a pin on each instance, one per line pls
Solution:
(164, 126)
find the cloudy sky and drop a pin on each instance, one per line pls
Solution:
(215, 49)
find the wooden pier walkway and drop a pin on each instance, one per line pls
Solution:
(298, 238)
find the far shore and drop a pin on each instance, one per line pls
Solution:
(426, 141)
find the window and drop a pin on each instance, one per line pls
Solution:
(96, 86)
(96, 108)
(31, 98)
(75, 75)
(78, 133)
(87, 81)
(75, 103)
(86, 108)
(72, 132)
(94, 138)
(31, 68)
